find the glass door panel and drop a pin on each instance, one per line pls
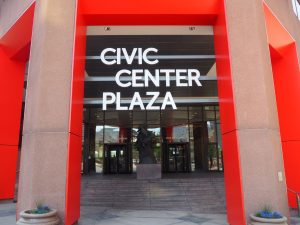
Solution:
(117, 159)
(122, 161)
(177, 157)
(172, 159)
(113, 161)
(213, 157)
(180, 158)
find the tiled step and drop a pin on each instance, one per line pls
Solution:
(203, 194)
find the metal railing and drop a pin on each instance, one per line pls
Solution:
(297, 194)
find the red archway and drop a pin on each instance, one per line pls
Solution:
(14, 53)
(286, 75)
(156, 12)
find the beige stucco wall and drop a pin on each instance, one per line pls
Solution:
(257, 125)
(10, 11)
(47, 106)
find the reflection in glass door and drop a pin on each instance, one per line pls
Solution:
(197, 127)
(116, 159)
(176, 157)
(112, 161)
(172, 159)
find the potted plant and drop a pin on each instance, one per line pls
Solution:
(41, 215)
(268, 217)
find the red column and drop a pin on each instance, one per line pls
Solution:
(122, 134)
(11, 92)
(14, 53)
(231, 152)
(169, 132)
(72, 207)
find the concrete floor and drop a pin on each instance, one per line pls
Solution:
(96, 216)
(106, 216)
(7, 213)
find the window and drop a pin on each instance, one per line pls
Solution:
(296, 8)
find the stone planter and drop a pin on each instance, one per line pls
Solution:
(49, 218)
(263, 221)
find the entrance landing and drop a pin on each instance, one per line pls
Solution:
(92, 216)
(195, 193)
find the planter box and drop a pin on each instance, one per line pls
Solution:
(49, 218)
(262, 221)
(148, 171)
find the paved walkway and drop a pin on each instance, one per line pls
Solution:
(7, 213)
(94, 216)
(105, 216)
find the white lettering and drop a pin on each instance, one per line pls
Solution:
(136, 78)
(118, 81)
(129, 59)
(118, 56)
(107, 101)
(155, 80)
(102, 56)
(118, 103)
(152, 101)
(168, 100)
(180, 77)
(145, 58)
(136, 101)
(167, 72)
(140, 54)
(196, 77)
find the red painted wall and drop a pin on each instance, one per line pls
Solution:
(14, 52)
(11, 91)
(286, 75)
(150, 12)
(16, 42)
(287, 87)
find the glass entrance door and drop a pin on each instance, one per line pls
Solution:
(116, 159)
(176, 157)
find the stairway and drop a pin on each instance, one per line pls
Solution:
(200, 194)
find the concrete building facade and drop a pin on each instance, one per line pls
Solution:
(257, 44)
